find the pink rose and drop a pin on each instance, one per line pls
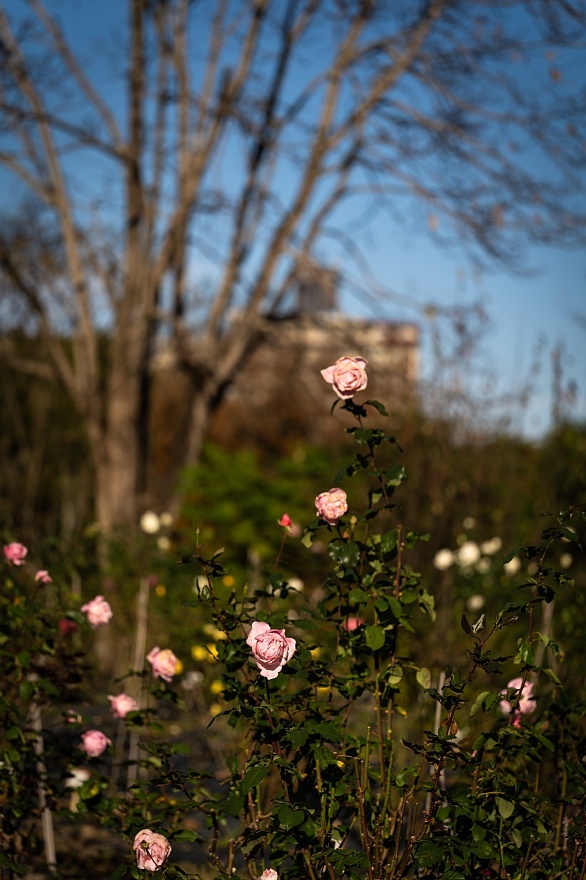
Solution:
(270, 647)
(164, 663)
(285, 521)
(152, 850)
(352, 623)
(525, 704)
(347, 376)
(331, 505)
(122, 705)
(269, 874)
(94, 742)
(15, 553)
(98, 612)
(43, 577)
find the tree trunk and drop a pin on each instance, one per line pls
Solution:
(117, 459)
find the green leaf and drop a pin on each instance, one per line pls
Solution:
(570, 535)
(119, 872)
(389, 541)
(428, 854)
(290, 818)
(254, 776)
(375, 637)
(394, 675)
(424, 677)
(505, 807)
(396, 475)
(477, 704)
(357, 595)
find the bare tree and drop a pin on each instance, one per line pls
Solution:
(247, 128)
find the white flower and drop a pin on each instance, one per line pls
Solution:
(512, 567)
(468, 554)
(150, 523)
(483, 566)
(489, 548)
(469, 522)
(163, 543)
(566, 560)
(475, 602)
(166, 519)
(77, 777)
(443, 559)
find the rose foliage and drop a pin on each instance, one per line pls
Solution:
(343, 755)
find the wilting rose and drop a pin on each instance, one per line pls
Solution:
(165, 664)
(94, 742)
(270, 647)
(122, 705)
(331, 505)
(98, 611)
(525, 704)
(347, 376)
(152, 850)
(15, 553)
(269, 874)
(43, 577)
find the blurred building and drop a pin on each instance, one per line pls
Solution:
(280, 385)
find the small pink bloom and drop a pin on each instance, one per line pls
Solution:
(285, 521)
(331, 505)
(164, 663)
(98, 612)
(352, 623)
(67, 626)
(43, 577)
(122, 705)
(270, 648)
(72, 717)
(15, 553)
(94, 742)
(152, 850)
(525, 704)
(347, 375)
(269, 874)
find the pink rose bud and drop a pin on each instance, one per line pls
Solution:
(43, 577)
(285, 521)
(269, 874)
(152, 850)
(526, 702)
(331, 505)
(347, 376)
(352, 623)
(270, 648)
(15, 553)
(98, 612)
(122, 705)
(94, 742)
(164, 663)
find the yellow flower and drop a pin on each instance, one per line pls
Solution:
(160, 590)
(228, 580)
(179, 667)
(198, 652)
(212, 654)
(215, 709)
(213, 631)
(216, 687)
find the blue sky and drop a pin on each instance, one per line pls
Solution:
(525, 313)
